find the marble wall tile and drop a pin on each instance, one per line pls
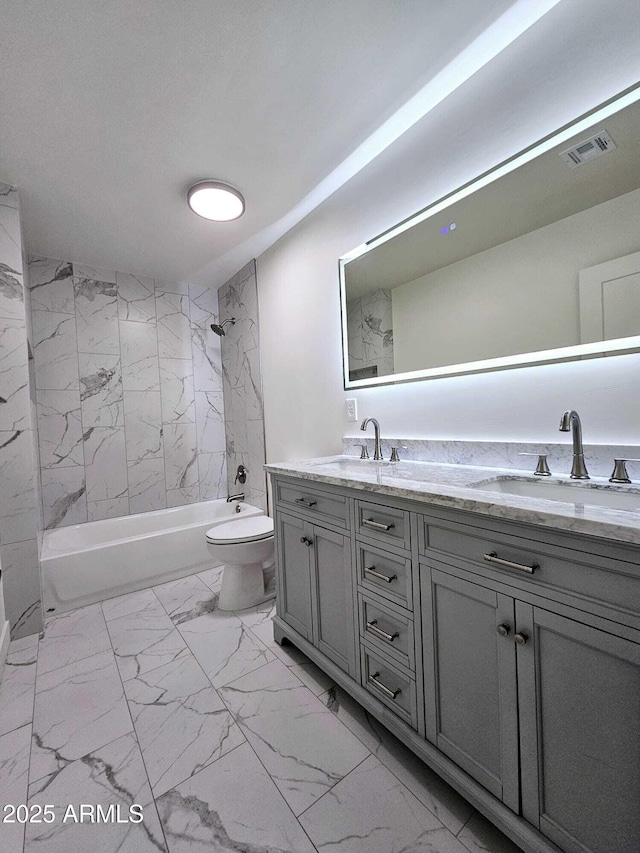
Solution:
(207, 360)
(21, 581)
(18, 685)
(111, 508)
(64, 497)
(51, 285)
(147, 489)
(105, 462)
(203, 306)
(55, 350)
(173, 325)
(93, 273)
(176, 390)
(14, 374)
(252, 384)
(139, 354)
(180, 455)
(143, 424)
(210, 422)
(212, 468)
(14, 775)
(164, 286)
(101, 393)
(17, 492)
(182, 497)
(97, 316)
(8, 195)
(136, 298)
(59, 429)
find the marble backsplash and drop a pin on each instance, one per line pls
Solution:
(493, 454)
(129, 399)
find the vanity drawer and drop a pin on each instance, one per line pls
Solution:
(383, 523)
(313, 501)
(603, 584)
(387, 574)
(387, 629)
(388, 683)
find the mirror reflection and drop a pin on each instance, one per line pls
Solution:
(545, 257)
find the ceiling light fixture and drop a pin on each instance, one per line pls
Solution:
(216, 200)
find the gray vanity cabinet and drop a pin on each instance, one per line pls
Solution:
(294, 565)
(579, 689)
(470, 679)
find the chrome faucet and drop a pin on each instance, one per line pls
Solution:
(377, 449)
(238, 497)
(571, 421)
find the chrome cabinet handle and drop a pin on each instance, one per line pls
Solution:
(493, 558)
(306, 541)
(378, 525)
(371, 570)
(305, 502)
(521, 639)
(372, 626)
(503, 630)
(373, 679)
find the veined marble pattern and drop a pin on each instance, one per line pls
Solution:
(59, 429)
(101, 390)
(51, 285)
(210, 421)
(143, 424)
(139, 353)
(21, 579)
(212, 469)
(181, 497)
(136, 298)
(17, 494)
(370, 332)
(105, 463)
(64, 497)
(181, 722)
(203, 302)
(176, 390)
(180, 455)
(173, 325)
(97, 316)
(55, 350)
(108, 508)
(14, 374)
(207, 360)
(94, 273)
(147, 490)
(212, 790)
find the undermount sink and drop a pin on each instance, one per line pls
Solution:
(590, 494)
(352, 465)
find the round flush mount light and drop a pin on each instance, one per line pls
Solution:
(216, 200)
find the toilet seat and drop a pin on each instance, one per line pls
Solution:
(241, 530)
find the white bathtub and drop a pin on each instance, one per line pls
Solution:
(90, 562)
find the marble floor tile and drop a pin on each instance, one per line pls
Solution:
(370, 811)
(224, 646)
(302, 745)
(287, 653)
(446, 804)
(212, 577)
(145, 639)
(181, 723)
(232, 805)
(125, 605)
(480, 836)
(71, 637)
(78, 708)
(111, 776)
(312, 677)
(254, 616)
(14, 770)
(186, 598)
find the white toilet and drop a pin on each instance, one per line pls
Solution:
(245, 546)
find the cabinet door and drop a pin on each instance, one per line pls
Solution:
(333, 605)
(470, 679)
(580, 721)
(294, 571)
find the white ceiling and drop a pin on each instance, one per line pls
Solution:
(109, 111)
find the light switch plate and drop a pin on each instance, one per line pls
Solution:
(352, 410)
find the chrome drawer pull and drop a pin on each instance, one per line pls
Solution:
(493, 558)
(378, 525)
(371, 570)
(373, 627)
(373, 679)
(305, 502)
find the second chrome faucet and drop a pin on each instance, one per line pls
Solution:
(571, 421)
(377, 451)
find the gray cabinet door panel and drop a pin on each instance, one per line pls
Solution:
(333, 605)
(471, 702)
(585, 712)
(294, 568)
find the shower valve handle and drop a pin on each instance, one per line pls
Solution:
(241, 474)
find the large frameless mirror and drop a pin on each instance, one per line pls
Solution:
(536, 261)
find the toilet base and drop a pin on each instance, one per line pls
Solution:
(243, 587)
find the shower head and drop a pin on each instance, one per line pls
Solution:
(219, 329)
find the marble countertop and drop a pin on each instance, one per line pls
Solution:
(452, 486)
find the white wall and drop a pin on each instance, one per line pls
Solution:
(578, 55)
(521, 296)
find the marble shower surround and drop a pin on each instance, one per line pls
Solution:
(370, 331)
(242, 384)
(19, 518)
(129, 392)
